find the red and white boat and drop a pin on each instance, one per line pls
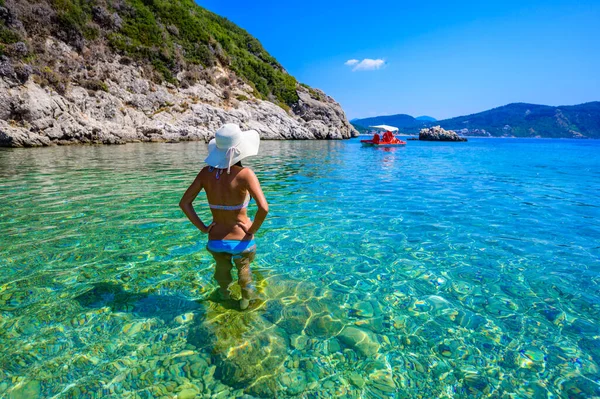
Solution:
(388, 139)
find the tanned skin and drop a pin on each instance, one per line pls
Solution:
(229, 189)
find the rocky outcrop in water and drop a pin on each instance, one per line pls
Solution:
(436, 133)
(128, 107)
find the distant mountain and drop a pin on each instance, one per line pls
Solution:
(512, 120)
(531, 120)
(425, 118)
(360, 129)
(402, 121)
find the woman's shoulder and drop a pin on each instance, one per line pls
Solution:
(204, 172)
(245, 172)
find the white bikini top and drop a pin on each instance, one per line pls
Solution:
(228, 207)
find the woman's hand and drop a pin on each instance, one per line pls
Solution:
(246, 227)
(210, 226)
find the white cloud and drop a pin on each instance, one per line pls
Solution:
(368, 65)
(351, 62)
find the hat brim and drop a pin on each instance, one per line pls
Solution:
(247, 147)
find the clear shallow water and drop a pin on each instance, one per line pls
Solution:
(436, 270)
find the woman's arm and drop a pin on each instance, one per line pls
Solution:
(263, 207)
(186, 204)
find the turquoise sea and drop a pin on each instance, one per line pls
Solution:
(437, 270)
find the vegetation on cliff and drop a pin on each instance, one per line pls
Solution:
(172, 36)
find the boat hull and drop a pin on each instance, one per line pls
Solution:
(383, 145)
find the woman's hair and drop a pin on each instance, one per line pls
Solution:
(239, 164)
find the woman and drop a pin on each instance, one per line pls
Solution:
(228, 187)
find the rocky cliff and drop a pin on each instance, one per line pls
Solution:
(59, 89)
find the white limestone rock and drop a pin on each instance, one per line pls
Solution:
(137, 109)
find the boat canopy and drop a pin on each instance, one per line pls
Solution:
(385, 127)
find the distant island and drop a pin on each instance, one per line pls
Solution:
(512, 120)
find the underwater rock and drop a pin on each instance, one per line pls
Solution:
(430, 331)
(323, 326)
(532, 358)
(466, 319)
(509, 360)
(438, 304)
(261, 355)
(445, 350)
(500, 307)
(375, 324)
(363, 341)
(591, 346)
(475, 381)
(581, 327)
(580, 387)
(379, 380)
(184, 318)
(187, 394)
(293, 318)
(362, 309)
(29, 390)
(299, 342)
(356, 379)
(294, 382)
(333, 346)
(244, 347)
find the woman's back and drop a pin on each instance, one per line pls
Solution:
(228, 198)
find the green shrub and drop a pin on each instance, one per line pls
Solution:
(48, 77)
(94, 85)
(241, 97)
(315, 94)
(73, 15)
(90, 32)
(8, 36)
(285, 107)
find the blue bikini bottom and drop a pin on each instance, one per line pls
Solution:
(233, 247)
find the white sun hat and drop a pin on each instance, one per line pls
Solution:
(231, 145)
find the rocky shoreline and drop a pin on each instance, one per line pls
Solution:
(126, 106)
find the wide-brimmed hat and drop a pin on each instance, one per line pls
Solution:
(231, 145)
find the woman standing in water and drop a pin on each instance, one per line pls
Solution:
(229, 187)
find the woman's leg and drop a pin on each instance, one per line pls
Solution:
(242, 263)
(223, 272)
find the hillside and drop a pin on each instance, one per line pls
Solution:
(512, 120)
(401, 121)
(360, 129)
(530, 120)
(115, 70)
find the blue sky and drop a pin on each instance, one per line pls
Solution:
(440, 58)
